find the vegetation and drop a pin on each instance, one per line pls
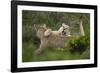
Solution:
(79, 44)
(78, 48)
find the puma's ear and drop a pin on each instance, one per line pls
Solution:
(63, 24)
(36, 26)
(44, 25)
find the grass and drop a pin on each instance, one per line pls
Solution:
(28, 54)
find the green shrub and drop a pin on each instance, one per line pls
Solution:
(79, 44)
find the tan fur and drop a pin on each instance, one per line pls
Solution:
(52, 40)
(63, 28)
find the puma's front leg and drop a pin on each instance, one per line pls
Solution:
(41, 47)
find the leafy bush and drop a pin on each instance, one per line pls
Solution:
(79, 44)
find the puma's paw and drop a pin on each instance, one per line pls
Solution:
(47, 32)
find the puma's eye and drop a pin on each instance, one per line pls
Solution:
(64, 33)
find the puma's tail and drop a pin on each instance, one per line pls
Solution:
(81, 27)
